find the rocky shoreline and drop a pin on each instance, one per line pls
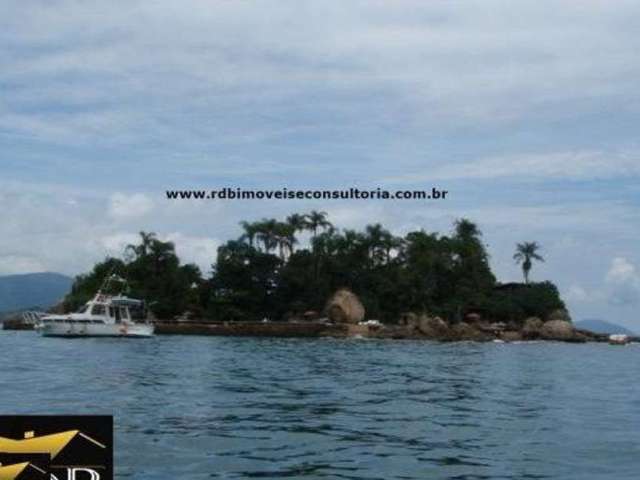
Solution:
(345, 317)
(433, 329)
(427, 328)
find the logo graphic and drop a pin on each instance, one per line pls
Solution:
(65, 447)
(24, 467)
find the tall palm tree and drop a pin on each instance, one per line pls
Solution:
(284, 236)
(267, 234)
(376, 235)
(251, 230)
(297, 221)
(525, 253)
(317, 220)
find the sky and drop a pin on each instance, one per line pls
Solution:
(526, 112)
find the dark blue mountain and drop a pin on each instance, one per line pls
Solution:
(602, 326)
(31, 290)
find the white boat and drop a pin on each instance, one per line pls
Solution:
(105, 315)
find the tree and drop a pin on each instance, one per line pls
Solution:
(284, 236)
(143, 248)
(251, 229)
(446, 275)
(317, 220)
(525, 253)
(297, 222)
(267, 234)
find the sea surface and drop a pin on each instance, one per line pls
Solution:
(245, 408)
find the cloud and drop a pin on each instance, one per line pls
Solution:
(202, 251)
(11, 264)
(576, 293)
(116, 243)
(122, 206)
(579, 165)
(357, 65)
(320, 94)
(623, 280)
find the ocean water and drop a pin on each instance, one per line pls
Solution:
(214, 407)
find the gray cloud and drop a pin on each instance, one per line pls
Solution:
(623, 280)
(135, 97)
(104, 71)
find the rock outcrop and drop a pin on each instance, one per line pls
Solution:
(558, 330)
(432, 327)
(531, 328)
(559, 314)
(511, 336)
(345, 307)
(464, 332)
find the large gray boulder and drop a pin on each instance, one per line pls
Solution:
(433, 327)
(558, 330)
(345, 307)
(532, 327)
(559, 314)
(462, 331)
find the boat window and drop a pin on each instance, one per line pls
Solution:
(98, 310)
(112, 312)
(124, 313)
(83, 309)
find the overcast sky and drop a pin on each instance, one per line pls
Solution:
(527, 112)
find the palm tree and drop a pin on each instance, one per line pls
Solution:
(316, 220)
(525, 252)
(284, 236)
(143, 249)
(297, 221)
(267, 234)
(376, 236)
(251, 230)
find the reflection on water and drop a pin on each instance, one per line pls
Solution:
(213, 407)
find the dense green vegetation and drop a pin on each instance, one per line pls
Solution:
(266, 273)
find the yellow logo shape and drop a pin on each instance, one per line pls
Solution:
(52, 444)
(11, 472)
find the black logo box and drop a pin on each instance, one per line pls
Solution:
(91, 447)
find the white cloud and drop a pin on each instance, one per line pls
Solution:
(10, 264)
(202, 251)
(623, 280)
(115, 244)
(429, 60)
(576, 293)
(123, 206)
(580, 165)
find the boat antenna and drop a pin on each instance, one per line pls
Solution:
(111, 277)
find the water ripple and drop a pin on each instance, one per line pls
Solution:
(196, 408)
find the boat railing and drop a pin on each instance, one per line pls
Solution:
(32, 317)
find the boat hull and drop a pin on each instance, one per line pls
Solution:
(75, 330)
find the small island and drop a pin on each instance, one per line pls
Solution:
(367, 283)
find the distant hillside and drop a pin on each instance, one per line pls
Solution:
(32, 289)
(601, 326)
